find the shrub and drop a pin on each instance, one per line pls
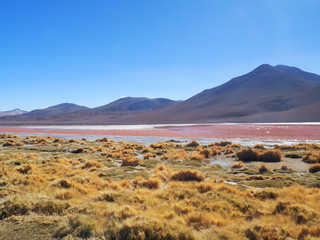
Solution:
(131, 162)
(108, 197)
(193, 143)
(260, 146)
(149, 156)
(223, 143)
(205, 152)
(188, 175)
(92, 164)
(83, 226)
(50, 207)
(104, 139)
(175, 154)
(309, 231)
(265, 194)
(314, 168)
(311, 157)
(64, 195)
(64, 184)
(205, 187)
(238, 164)
(215, 152)
(195, 156)
(270, 156)
(159, 145)
(13, 207)
(228, 150)
(78, 150)
(284, 168)
(12, 143)
(25, 170)
(248, 155)
(262, 168)
(152, 183)
(155, 230)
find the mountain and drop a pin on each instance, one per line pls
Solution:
(132, 104)
(46, 114)
(16, 111)
(266, 94)
(62, 108)
(72, 113)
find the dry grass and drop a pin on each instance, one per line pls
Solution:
(314, 168)
(262, 168)
(311, 157)
(196, 156)
(248, 155)
(170, 201)
(131, 162)
(252, 155)
(193, 143)
(238, 164)
(188, 175)
(270, 156)
(284, 167)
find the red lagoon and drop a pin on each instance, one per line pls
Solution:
(222, 131)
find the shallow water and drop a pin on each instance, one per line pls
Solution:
(264, 132)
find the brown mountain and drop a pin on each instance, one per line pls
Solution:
(266, 94)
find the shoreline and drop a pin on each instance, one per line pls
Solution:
(227, 131)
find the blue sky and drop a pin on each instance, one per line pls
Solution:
(93, 52)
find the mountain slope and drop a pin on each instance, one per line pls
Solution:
(266, 91)
(132, 104)
(16, 111)
(62, 108)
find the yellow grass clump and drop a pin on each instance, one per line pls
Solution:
(195, 156)
(131, 162)
(262, 168)
(193, 143)
(188, 175)
(248, 155)
(270, 156)
(314, 168)
(311, 157)
(238, 164)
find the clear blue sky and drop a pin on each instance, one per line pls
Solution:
(93, 52)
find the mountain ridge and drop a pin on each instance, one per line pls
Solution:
(267, 93)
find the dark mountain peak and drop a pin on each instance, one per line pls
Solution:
(262, 70)
(264, 66)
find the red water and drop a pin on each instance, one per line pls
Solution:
(223, 131)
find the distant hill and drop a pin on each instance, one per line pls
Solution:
(62, 108)
(72, 113)
(46, 114)
(266, 94)
(134, 104)
(16, 111)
